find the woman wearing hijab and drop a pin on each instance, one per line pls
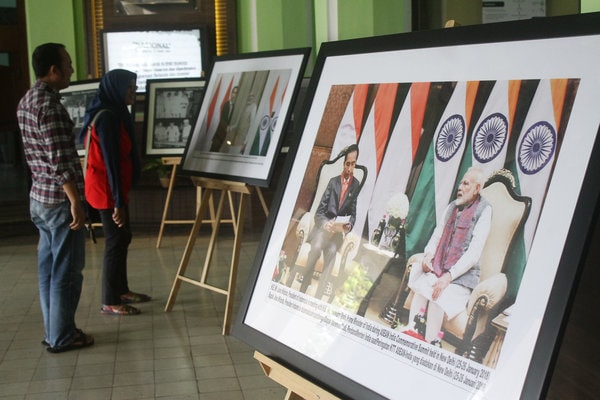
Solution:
(112, 168)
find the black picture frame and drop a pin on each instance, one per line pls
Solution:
(239, 140)
(75, 99)
(316, 339)
(171, 103)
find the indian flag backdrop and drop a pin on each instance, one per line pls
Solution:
(449, 144)
(535, 153)
(540, 120)
(421, 221)
(282, 85)
(435, 182)
(488, 142)
(270, 103)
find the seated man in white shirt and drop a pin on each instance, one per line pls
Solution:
(449, 270)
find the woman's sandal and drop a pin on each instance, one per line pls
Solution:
(133, 297)
(122, 309)
(81, 340)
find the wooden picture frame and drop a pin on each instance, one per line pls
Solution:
(519, 97)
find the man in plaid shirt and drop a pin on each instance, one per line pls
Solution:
(56, 197)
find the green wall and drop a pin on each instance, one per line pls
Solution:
(278, 24)
(590, 6)
(362, 18)
(300, 23)
(58, 21)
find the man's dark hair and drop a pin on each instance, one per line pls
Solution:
(349, 149)
(44, 56)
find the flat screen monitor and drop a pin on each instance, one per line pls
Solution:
(156, 54)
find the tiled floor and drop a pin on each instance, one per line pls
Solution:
(179, 354)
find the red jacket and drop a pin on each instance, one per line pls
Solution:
(98, 188)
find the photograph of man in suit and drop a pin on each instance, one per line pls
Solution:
(224, 121)
(338, 200)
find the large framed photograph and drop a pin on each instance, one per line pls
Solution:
(245, 109)
(435, 213)
(172, 107)
(75, 99)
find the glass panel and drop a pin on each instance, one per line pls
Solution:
(4, 60)
(8, 12)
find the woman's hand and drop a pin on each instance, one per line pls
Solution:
(119, 216)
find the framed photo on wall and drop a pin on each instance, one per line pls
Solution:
(406, 120)
(245, 109)
(75, 98)
(172, 107)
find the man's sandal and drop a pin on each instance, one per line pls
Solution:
(80, 341)
(133, 297)
(122, 309)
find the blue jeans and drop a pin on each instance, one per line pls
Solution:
(61, 257)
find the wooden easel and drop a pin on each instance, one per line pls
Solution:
(224, 187)
(174, 162)
(298, 387)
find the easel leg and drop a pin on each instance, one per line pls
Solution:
(167, 202)
(237, 245)
(232, 211)
(207, 201)
(213, 237)
(188, 250)
(262, 201)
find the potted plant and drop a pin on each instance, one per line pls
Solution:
(162, 170)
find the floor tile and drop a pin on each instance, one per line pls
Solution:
(179, 354)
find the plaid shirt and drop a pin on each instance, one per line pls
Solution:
(49, 145)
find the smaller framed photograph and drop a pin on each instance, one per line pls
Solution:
(248, 102)
(172, 107)
(75, 99)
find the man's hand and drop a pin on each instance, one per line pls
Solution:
(441, 284)
(78, 216)
(346, 228)
(77, 212)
